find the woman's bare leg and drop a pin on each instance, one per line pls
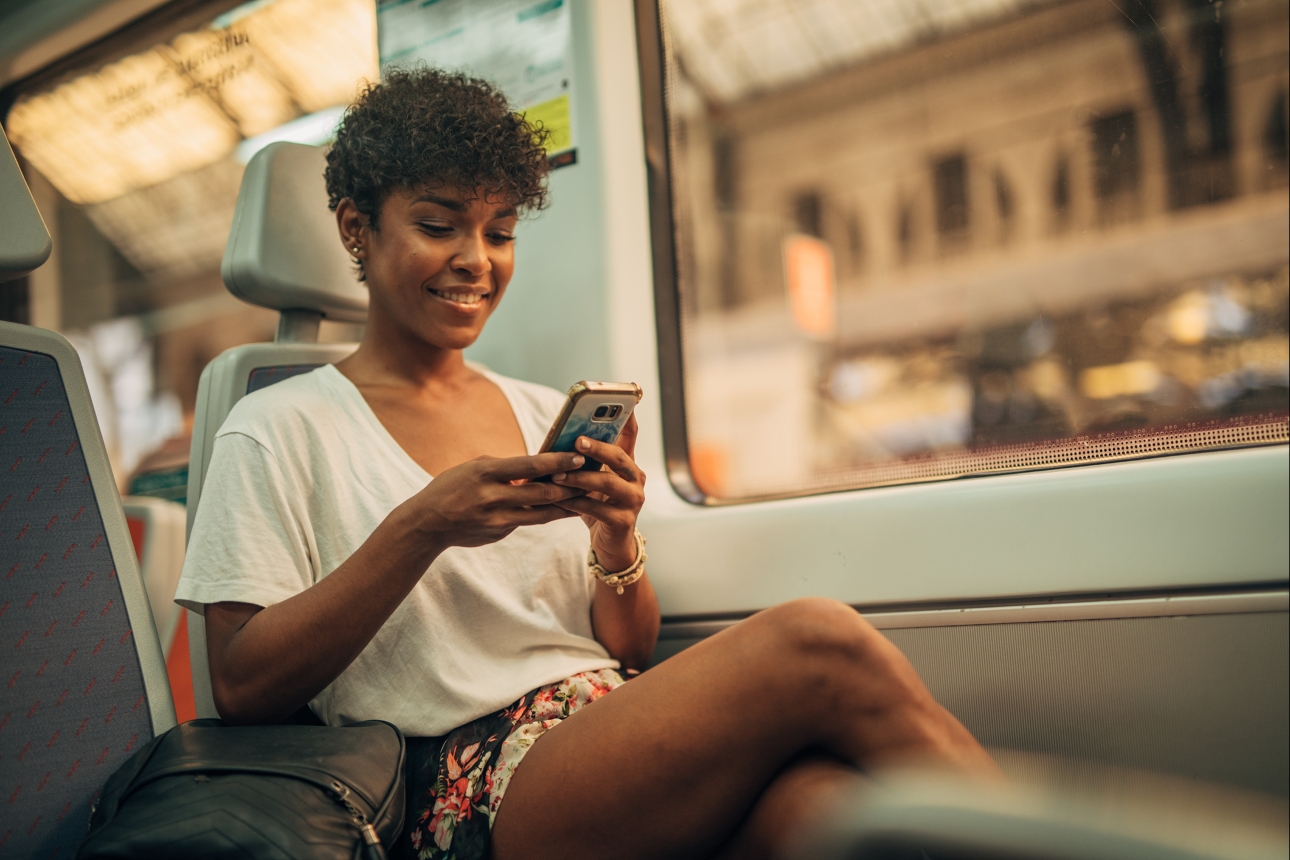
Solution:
(798, 796)
(673, 762)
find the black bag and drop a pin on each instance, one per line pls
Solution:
(206, 791)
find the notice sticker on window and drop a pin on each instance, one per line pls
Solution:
(555, 116)
(524, 47)
(808, 272)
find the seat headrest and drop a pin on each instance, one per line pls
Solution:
(24, 241)
(283, 251)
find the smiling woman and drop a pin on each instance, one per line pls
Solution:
(371, 542)
(431, 163)
(418, 233)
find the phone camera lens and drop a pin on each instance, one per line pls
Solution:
(602, 412)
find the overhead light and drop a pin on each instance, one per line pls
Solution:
(182, 106)
(314, 129)
(134, 124)
(324, 50)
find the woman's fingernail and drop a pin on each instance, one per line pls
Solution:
(584, 443)
(559, 476)
(578, 460)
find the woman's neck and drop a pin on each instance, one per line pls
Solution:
(389, 355)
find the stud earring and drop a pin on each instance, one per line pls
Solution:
(356, 249)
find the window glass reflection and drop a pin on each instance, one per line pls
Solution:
(917, 241)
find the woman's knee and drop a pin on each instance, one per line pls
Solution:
(820, 630)
(841, 664)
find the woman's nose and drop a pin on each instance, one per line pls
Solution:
(472, 257)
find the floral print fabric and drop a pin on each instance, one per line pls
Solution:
(477, 761)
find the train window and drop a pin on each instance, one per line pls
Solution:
(921, 241)
(135, 152)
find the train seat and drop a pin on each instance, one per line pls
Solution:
(283, 253)
(84, 679)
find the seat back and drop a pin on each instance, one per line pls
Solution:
(283, 250)
(230, 377)
(84, 680)
(24, 241)
(283, 253)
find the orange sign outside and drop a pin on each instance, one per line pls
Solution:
(812, 293)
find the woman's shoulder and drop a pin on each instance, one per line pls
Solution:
(286, 408)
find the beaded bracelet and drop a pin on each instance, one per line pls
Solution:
(622, 577)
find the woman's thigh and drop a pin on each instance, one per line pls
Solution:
(670, 763)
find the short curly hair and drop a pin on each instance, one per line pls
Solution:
(424, 126)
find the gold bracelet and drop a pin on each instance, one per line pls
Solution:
(622, 577)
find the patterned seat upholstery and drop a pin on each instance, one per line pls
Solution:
(83, 677)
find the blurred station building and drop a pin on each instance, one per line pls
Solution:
(1037, 222)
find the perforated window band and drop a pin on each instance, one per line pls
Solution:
(1078, 450)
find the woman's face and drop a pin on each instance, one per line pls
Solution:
(439, 262)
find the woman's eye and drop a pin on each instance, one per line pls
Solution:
(501, 238)
(436, 229)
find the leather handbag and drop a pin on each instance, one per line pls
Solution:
(207, 791)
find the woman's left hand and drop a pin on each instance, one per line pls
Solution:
(614, 497)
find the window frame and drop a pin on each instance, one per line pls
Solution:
(667, 293)
(669, 312)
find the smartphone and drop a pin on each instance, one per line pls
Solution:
(597, 410)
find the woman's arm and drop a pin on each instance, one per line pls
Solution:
(265, 663)
(626, 624)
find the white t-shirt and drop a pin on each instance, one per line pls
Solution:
(303, 472)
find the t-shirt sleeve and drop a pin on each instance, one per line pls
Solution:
(248, 542)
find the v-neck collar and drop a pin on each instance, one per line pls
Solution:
(362, 411)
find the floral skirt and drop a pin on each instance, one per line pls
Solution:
(452, 813)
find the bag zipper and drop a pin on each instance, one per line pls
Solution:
(372, 848)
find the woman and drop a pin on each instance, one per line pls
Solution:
(333, 570)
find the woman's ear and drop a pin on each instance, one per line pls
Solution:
(353, 226)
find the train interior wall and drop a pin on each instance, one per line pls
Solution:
(1156, 694)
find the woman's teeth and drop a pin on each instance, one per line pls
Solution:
(461, 298)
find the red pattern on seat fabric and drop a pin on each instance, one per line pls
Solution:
(72, 700)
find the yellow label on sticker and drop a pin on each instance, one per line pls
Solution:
(554, 117)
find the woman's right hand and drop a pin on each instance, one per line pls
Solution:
(485, 499)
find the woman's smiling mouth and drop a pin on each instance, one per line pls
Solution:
(464, 298)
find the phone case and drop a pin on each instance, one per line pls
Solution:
(579, 416)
